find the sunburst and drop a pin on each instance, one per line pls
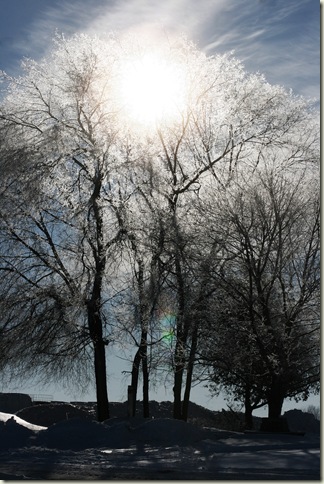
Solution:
(152, 89)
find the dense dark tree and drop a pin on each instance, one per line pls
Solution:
(268, 342)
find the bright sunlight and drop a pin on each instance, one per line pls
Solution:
(153, 89)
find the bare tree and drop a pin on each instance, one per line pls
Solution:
(144, 258)
(58, 249)
(271, 282)
(82, 172)
(223, 132)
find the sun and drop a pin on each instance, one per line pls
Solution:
(152, 89)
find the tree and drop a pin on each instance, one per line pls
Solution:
(227, 354)
(315, 411)
(75, 234)
(145, 237)
(271, 282)
(62, 242)
(224, 131)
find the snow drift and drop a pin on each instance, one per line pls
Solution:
(160, 448)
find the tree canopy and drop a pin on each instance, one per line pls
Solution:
(113, 217)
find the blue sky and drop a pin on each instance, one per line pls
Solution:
(279, 38)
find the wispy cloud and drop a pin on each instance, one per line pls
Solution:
(274, 37)
(279, 39)
(99, 16)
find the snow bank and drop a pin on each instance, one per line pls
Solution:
(138, 448)
(85, 434)
(299, 421)
(118, 433)
(166, 431)
(4, 417)
(72, 434)
(79, 433)
(82, 433)
(13, 434)
(47, 414)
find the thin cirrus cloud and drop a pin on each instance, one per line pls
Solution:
(99, 16)
(279, 39)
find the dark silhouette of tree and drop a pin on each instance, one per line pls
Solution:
(268, 342)
(94, 205)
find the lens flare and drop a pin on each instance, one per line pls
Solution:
(168, 328)
(152, 89)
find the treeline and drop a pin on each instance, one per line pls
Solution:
(191, 245)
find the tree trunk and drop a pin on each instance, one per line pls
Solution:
(146, 409)
(177, 413)
(178, 373)
(181, 327)
(141, 355)
(275, 399)
(181, 340)
(134, 382)
(186, 397)
(101, 381)
(95, 329)
(248, 419)
(275, 402)
(94, 303)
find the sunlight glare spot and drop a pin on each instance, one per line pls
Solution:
(152, 89)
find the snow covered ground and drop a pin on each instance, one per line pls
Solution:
(152, 449)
